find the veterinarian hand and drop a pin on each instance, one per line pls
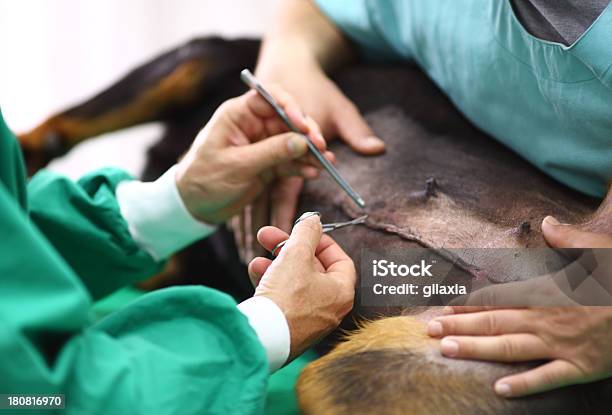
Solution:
(299, 48)
(312, 280)
(301, 45)
(574, 340)
(244, 147)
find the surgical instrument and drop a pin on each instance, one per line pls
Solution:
(327, 227)
(249, 79)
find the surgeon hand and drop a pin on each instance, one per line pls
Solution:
(300, 47)
(337, 115)
(312, 280)
(243, 148)
(575, 341)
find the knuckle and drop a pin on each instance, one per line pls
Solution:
(489, 297)
(549, 377)
(467, 347)
(348, 295)
(232, 106)
(520, 384)
(227, 105)
(491, 323)
(280, 94)
(345, 307)
(508, 348)
(449, 326)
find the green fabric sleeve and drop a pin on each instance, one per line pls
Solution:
(359, 21)
(83, 223)
(184, 350)
(12, 169)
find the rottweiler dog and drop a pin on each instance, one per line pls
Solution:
(442, 184)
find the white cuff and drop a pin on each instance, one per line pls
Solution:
(270, 324)
(157, 217)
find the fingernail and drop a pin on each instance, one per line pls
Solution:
(307, 215)
(448, 311)
(310, 173)
(320, 137)
(503, 389)
(434, 328)
(297, 145)
(449, 347)
(374, 141)
(551, 220)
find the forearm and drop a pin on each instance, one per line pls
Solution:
(302, 35)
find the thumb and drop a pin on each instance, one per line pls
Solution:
(354, 130)
(306, 235)
(559, 235)
(272, 151)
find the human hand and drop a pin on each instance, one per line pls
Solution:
(276, 206)
(312, 280)
(322, 100)
(561, 235)
(335, 113)
(243, 148)
(299, 47)
(574, 340)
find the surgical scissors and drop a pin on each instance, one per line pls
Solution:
(327, 227)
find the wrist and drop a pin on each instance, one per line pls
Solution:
(279, 57)
(194, 193)
(157, 217)
(299, 329)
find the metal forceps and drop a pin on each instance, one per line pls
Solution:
(249, 79)
(327, 227)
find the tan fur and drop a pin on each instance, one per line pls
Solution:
(179, 86)
(391, 366)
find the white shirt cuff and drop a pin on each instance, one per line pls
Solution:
(157, 217)
(270, 325)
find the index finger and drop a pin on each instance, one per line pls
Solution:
(262, 109)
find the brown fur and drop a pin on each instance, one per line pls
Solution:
(390, 366)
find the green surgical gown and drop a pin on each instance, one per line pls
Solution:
(63, 245)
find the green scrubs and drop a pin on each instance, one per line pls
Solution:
(63, 245)
(549, 102)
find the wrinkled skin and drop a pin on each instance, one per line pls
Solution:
(483, 195)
